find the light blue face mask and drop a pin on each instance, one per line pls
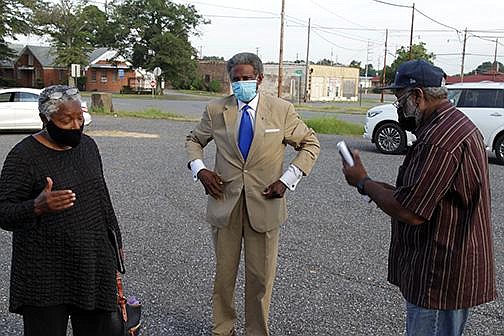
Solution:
(245, 90)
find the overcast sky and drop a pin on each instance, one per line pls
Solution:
(346, 30)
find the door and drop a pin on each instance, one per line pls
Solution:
(7, 117)
(26, 110)
(485, 107)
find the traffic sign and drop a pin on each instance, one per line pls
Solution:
(298, 72)
(157, 71)
(153, 83)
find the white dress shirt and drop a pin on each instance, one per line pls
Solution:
(290, 177)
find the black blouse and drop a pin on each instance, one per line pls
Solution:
(64, 257)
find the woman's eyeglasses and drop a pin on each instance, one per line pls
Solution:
(59, 94)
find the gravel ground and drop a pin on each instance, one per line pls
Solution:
(332, 264)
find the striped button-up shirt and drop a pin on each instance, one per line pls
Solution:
(447, 262)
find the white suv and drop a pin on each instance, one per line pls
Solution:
(482, 102)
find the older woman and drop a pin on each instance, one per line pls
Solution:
(54, 199)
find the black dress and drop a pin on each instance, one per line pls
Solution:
(64, 257)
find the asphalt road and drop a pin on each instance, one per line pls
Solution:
(331, 277)
(194, 108)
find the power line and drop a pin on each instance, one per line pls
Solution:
(339, 16)
(436, 21)
(334, 44)
(349, 37)
(392, 4)
(241, 17)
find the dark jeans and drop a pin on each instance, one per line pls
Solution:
(53, 321)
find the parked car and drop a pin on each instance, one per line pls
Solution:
(482, 102)
(19, 109)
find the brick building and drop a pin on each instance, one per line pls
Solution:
(33, 67)
(215, 70)
(107, 72)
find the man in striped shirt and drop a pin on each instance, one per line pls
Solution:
(441, 254)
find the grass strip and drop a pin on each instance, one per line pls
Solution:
(320, 125)
(334, 126)
(149, 113)
(349, 109)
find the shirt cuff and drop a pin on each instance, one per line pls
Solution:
(196, 166)
(291, 177)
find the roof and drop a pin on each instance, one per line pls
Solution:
(499, 77)
(477, 85)
(96, 54)
(17, 50)
(45, 55)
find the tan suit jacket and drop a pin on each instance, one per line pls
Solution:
(276, 124)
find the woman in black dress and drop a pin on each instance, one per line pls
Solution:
(54, 199)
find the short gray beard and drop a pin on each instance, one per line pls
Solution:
(411, 110)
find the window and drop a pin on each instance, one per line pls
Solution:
(93, 76)
(454, 96)
(30, 59)
(5, 97)
(103, 78)
(492, 98)
(25, 97)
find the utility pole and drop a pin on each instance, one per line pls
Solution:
(495, 55)
(307, 64)
(257, 51)
(463, 57)
(280, 61)
(411, 33)
(366, 67)
(384, 72)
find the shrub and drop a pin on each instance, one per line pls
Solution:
(214, 86)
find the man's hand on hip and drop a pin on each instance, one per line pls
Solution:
(212, 183)
(275, 190)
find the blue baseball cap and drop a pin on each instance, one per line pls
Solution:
(417, 73)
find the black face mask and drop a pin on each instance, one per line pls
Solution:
(406, 123)
(67, 137)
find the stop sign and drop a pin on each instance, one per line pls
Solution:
(153, 83)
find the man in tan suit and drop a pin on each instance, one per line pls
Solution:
(247, 186)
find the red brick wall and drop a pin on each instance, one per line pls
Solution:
(46, 76)
(215, 70)
(55, 76)
(107, 80)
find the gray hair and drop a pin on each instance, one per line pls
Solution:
(53, 96)
(434, 93)
(245, 58)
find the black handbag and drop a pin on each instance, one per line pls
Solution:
(126, 320)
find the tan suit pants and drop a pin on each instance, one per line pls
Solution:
(260, 250)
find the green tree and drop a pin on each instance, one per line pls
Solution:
(371, 72)
(155, 33)
(102, 31)
(213, 58)
(355, 64)
(325, 61)
(75, 28)
(487, 67)
(418, 51)
(15, 18)
(66, 23)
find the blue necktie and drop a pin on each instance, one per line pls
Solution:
(245, 133)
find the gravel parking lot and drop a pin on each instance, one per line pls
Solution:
(331, 277)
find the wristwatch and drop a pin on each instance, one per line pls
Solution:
(360, 185)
